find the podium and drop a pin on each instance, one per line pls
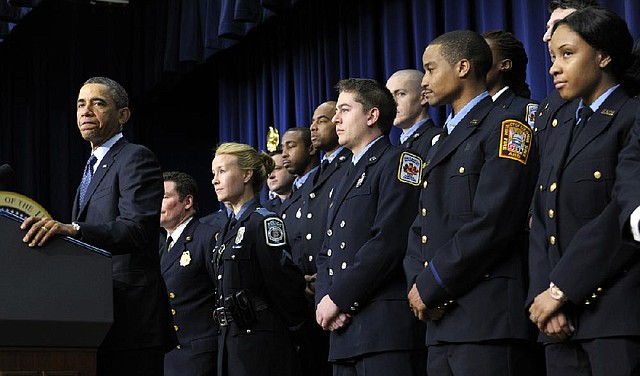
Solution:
(56, 304)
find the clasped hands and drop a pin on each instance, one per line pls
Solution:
(545, 314)
(419, 309)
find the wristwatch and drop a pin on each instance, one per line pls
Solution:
(556, 293)
(76, 227)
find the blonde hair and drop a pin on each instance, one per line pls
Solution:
(249, 159)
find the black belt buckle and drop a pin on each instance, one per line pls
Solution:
(222, 316)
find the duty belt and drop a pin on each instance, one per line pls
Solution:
(223, 316)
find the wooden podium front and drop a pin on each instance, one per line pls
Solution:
(56, 304)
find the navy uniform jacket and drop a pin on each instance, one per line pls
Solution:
(315, 208)
(627, 186)
(217, 219)
(420, 140)
(524, 107)
(273, 204)
(254, 255)
(121, 215)
(193, 299)
(546, 119)
(291, 211)
(466, 251)
(575, 238)
(360, 264)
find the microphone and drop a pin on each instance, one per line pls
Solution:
(6, 177)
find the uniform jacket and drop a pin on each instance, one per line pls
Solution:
(627, 186)
(273, 204)
(292, 215)
(193, 300)
(315, 208)
(575, 237)
(254, 255)
(121, 215)
(546, 119)
(360, 264)
(466, 250)
(420, 140)
(216, 219)
(524, 107)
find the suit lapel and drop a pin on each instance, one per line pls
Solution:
(104, 166)
(599, 121)
(461, 132)
(179, 247)
(370, 157)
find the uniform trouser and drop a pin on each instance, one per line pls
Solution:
(405, 363)
(488, 358)
(619, 356)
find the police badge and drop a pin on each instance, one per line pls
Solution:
(185, 259)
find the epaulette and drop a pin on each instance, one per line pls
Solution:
(265, 212)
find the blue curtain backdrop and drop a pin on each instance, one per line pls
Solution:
(201, 72)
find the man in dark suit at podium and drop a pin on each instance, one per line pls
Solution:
(117, 208)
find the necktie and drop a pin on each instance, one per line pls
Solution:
(323, 166)
(165, 247)
(583, 117)
(86, 177)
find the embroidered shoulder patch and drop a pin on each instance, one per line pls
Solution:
(515, 141)
(274, 232)
(410, 169)
(532, 109)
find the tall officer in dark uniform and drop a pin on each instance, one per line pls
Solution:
(584, 282)
(313, 227)
(300, 158)
(465, 261)
(412, 116)
(507, 78)
(184, 259)
(360, 290)
(261, 304)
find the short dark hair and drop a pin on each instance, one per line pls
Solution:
(466, 44)
(117, 92)
(305, 135)
(185, 185)
(371, 93)
(571, 4)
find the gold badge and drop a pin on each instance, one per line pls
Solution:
(240, 235)
(185, 259)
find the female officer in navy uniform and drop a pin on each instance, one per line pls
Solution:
(261, 303)
(584, 289)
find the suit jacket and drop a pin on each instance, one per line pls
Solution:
(314, 210)
(253, 255)
(193, 300)
(627, 187)
(525, 108)
(121, 215)
(420, 140)
(466, 252)
(575, 238)
(360, 264)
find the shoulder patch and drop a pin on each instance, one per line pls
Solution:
(532, 109)
(275, 234)
(515, 141)
(410, 169)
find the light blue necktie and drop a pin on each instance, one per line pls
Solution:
(86, 177)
